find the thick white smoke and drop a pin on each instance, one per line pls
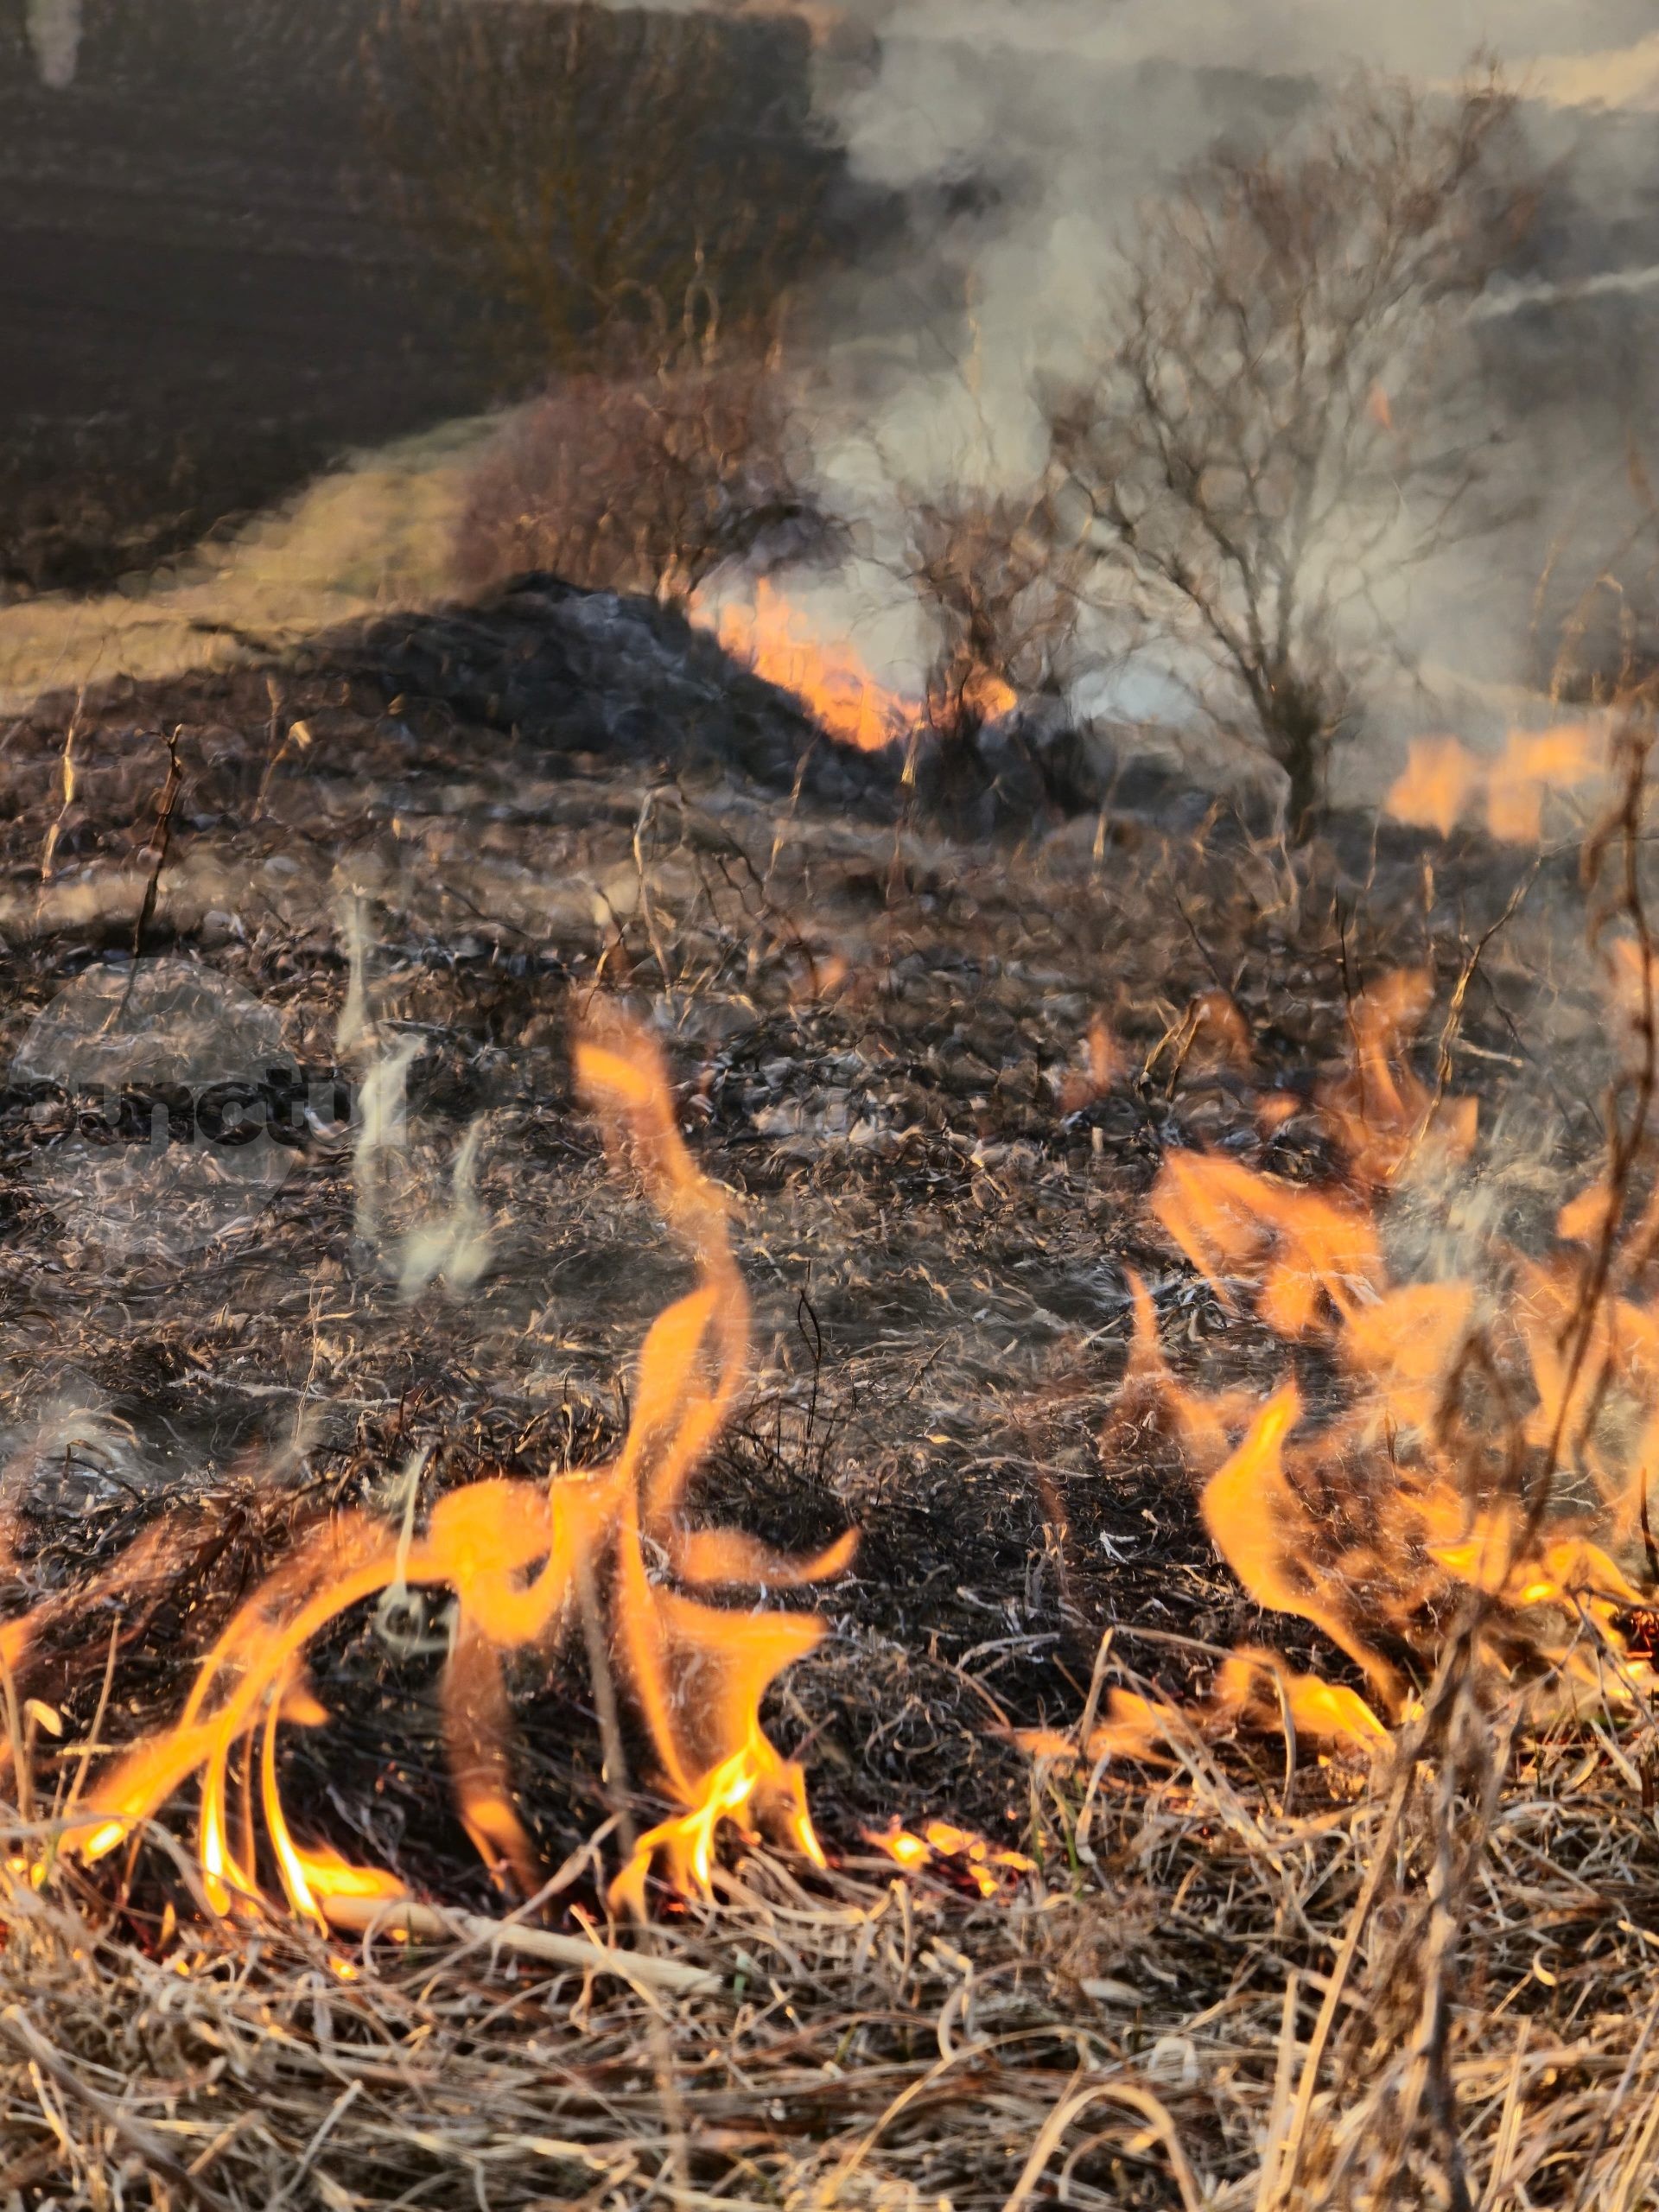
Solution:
(1024, 132)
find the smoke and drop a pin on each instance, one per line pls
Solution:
(456, 1243)
(355, 1021)
(1511, 298)
(1023, 133)
(75, 1450)
(1040, 123)
(382, 1132)
(1418, 37)
(54, 28)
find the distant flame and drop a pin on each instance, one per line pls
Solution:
(1442, 780)
(522, 1560)
(1435, 785)
(986, 695)
(829, 676)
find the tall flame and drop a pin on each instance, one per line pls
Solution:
(523, 1561)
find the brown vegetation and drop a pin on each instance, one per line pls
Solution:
(645, 482)
(589, 167)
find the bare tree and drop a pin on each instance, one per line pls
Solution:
(1262, 440)
(586, 167)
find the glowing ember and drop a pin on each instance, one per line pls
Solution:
(965, 1852)
(522, 1561)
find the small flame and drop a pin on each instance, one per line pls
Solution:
(1302, 1251)
(969, 1854)
(1105, 1065)
(523, 1561)
(1380, 1112)
(986, 696)
(1326, 1713)
(1252, 1687)
(1436, 783)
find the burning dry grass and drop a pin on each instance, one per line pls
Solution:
(1137, 2025)
(1244, 1959)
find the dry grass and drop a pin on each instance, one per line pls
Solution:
(377, 533)
(1134, 2033)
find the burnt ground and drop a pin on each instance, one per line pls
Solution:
(209, 287)
(879, 1039)
(877, 1034)
(206, 303)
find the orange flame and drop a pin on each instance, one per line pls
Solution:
(1368, 1519)
(1406, 1346)
(1439, 778)
(1304, 1252)
(1105, 1064)
(1442, 780)
(1380, 1111)
(1322, 1711)
(524, 1561)
(1532, 765)
(986, 695)
(1262, 1526)
(828, 677)
(1252, 1688)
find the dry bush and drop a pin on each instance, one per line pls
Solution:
(643, 483)
(581, 164)
(1003, 593)
(1273, 427)
(1003, 590)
